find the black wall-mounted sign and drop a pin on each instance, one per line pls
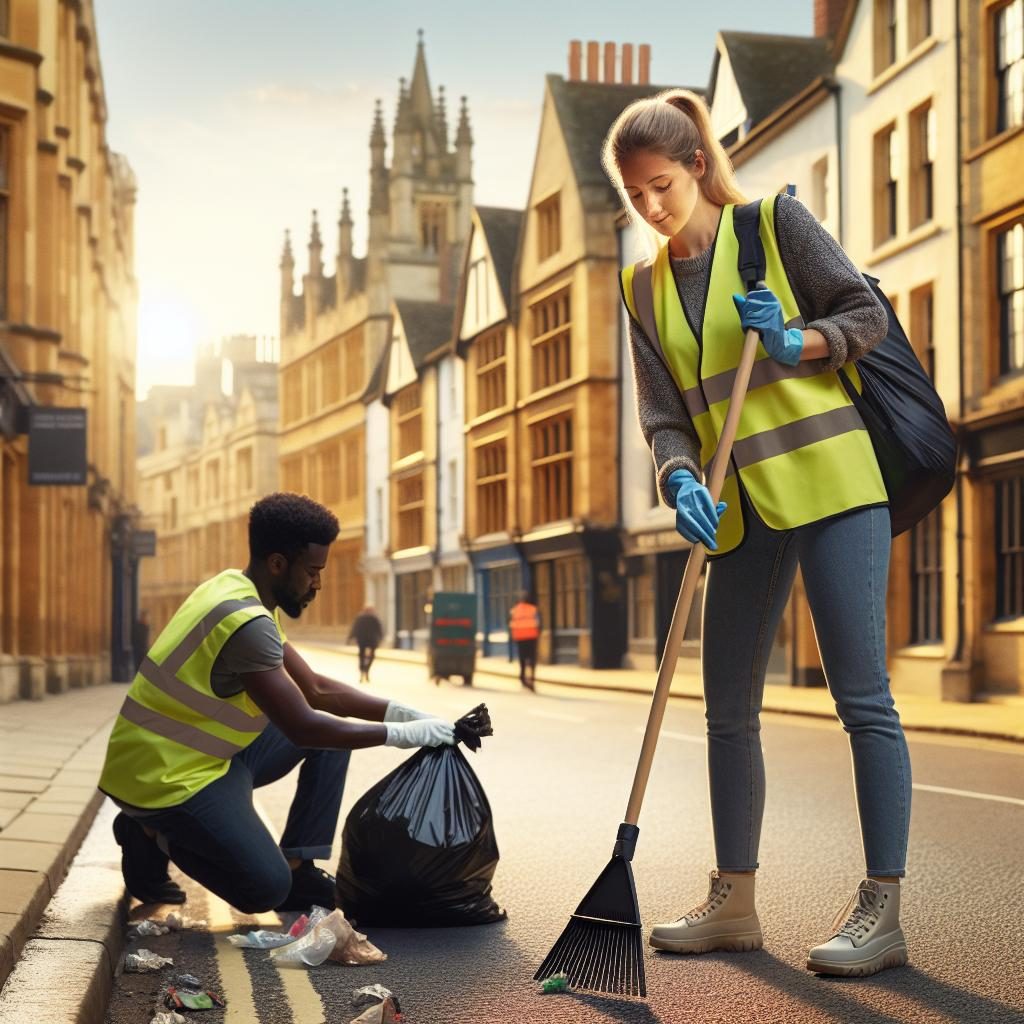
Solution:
(56, 446)
(144, 543)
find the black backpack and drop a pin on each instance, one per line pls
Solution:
(903, 413)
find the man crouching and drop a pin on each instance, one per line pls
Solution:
(223, 704)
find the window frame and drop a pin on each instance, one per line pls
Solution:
(490, 358)
(549, 227)
(926, 572)
(923, 125)
(1008, 544)
(1001, 121)
(551, 467)
(1007, 299)
(886, 184)
(551, 339)
(490, 463)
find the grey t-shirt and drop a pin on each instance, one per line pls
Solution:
(254, 647)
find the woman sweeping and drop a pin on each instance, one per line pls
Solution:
(803, 489)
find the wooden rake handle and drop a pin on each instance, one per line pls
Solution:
(688, 587)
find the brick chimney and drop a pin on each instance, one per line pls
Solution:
(627, 63)
(575, 60)
(644, 76)
(827, 15)
(609, 64)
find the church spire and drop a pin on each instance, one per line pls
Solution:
(287, 266)
(419, 91)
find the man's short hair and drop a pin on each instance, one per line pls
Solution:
(286, 524)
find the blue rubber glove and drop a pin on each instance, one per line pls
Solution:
(761, 311)
(696, 514)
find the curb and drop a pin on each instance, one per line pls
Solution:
(65, 973)
(769, 704)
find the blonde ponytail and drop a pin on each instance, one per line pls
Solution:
(674, 124)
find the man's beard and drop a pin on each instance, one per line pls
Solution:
(291, 605)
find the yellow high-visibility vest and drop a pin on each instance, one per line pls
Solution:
(802, 451)
(174, 735)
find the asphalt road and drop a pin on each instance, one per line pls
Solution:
(557, 773)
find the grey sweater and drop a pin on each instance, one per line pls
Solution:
(833, 298)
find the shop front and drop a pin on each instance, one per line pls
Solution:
(414, 589)
(580, 594)
(501, 575)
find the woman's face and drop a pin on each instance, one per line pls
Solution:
(664, 192)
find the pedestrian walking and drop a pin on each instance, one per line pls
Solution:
(223, 704)
(804, 490)
(140, 637)
(524, 628)
(367, 631)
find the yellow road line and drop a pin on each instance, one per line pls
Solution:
(234, 975)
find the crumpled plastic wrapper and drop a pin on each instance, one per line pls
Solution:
(328, 936)
(382, 1013)
(367, 995)
(144, 929)
(143, 960)
(383, 1008)
(171, 1017)
(261, 940)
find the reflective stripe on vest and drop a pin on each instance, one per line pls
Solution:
(174, 735)
(524, 622)
(802, 452)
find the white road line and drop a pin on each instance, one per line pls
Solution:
(686, 737)
(969, 793)
(557, 717)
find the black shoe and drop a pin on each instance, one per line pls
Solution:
(144, 864)
(311, 887)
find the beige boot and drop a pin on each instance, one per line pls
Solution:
(725, 920)
(867, 937)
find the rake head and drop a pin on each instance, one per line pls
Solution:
(601, 949)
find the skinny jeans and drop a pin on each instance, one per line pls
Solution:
(844, 562)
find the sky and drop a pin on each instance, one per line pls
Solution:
(240, 118)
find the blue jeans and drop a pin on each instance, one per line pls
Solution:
(844, 563)
(217, 838)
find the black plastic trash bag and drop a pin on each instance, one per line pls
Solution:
(418, 849)
(907, 423)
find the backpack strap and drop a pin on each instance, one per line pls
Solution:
(746, 222)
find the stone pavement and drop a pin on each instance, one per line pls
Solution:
(994, 718)
(51, 751)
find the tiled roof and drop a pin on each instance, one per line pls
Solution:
(502, 228)
(427, 326)
(771, 69)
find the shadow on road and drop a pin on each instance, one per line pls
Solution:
(846, 998)
(631, 1011)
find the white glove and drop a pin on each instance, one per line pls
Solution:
(424, 732)
(398, 712)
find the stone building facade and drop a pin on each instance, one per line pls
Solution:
(67, 338)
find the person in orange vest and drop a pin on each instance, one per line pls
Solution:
(524, 627)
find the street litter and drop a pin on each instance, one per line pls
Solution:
(183, 999)
(418, 848)
(144, 929)
(556, 983)
(299, 926)
(189, 982)
(143, 960)
(382, 1013)
(369, 994)
(381, 1004)
(168, 1018)
(261, 939)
